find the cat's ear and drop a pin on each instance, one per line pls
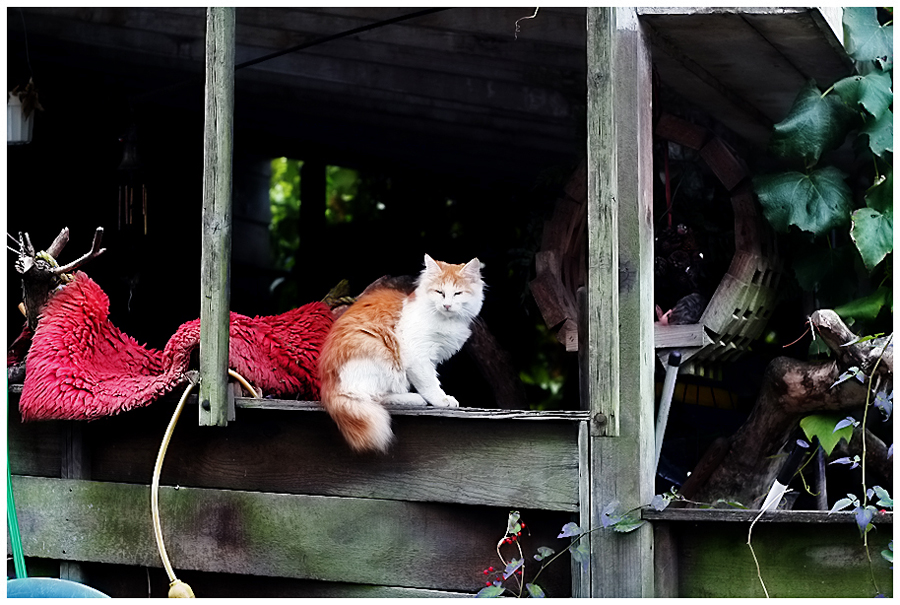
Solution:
(473, 268)
(431, 264)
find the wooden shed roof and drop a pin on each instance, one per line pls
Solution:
(457, 90)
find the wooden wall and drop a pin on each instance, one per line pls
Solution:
(277, 494)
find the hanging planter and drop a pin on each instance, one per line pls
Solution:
(20, 108)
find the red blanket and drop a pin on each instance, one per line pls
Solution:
(80, 366)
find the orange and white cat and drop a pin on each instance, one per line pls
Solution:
(388, 342)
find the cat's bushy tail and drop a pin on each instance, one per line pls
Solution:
(365, 424)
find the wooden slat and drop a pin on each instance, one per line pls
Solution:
(363, 541)
(215, 259)
(403, 410)
(745, 516)
(120, 581)
(680, 336)
(480, 460)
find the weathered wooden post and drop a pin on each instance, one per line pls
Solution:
(215, 268)
(617, 332)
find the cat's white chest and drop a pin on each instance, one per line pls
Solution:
(424, 334)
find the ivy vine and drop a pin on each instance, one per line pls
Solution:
(814, 201)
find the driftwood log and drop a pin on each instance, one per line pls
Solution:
(42, 275)
(743, 467)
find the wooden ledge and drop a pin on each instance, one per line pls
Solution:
(292, 405)
(747, 516)
(401, 410)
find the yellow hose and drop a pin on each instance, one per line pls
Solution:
(177, 588)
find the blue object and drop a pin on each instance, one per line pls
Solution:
(50, 588)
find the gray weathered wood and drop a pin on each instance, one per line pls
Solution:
(530, 464)
(603, 242)
(495, 457)
(364, 541)
(215, 269)
(746, 516)
(404, 410)
(620, 295)
(76, 464)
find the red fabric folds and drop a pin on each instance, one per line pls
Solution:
(80, 366)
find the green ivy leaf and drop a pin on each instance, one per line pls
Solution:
(543, 552)
(873, 92)
(821, 426)
(512, 567)
(814, 125)
(867, 307)
(627, 524)
(863, 516)
(535, 591)
(582, 554)
(884, 498)
(881, 133)
(512, 522)
(490, 592)
(865, 38)
(816, 202)
(880, 196)
(873, 234)
(570, 529)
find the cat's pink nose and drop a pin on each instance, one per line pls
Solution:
(447, 307)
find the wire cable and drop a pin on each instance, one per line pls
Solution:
(298, 47)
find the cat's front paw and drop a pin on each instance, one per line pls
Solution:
(447, 401)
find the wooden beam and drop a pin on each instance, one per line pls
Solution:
(504, 463)
(620, 361)
(357, 540)
(215, 276)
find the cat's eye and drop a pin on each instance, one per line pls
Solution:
(457, 293)
(441, 292)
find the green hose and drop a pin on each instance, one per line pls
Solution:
(14, 538)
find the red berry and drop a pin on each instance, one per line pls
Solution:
(487, 583)
(490, 569)
(485, 572)
(522, 524)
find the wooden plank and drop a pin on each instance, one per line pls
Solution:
(795, 560)
(679, 336)
(620, 150)
(405, 410)
(486, 460)
(120, 581)
(728, 168)
(711, 515)
(362, 541)
(674, 129)
(215, 259)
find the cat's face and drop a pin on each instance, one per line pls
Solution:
(452, 290)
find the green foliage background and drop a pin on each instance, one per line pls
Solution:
(840, 225)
